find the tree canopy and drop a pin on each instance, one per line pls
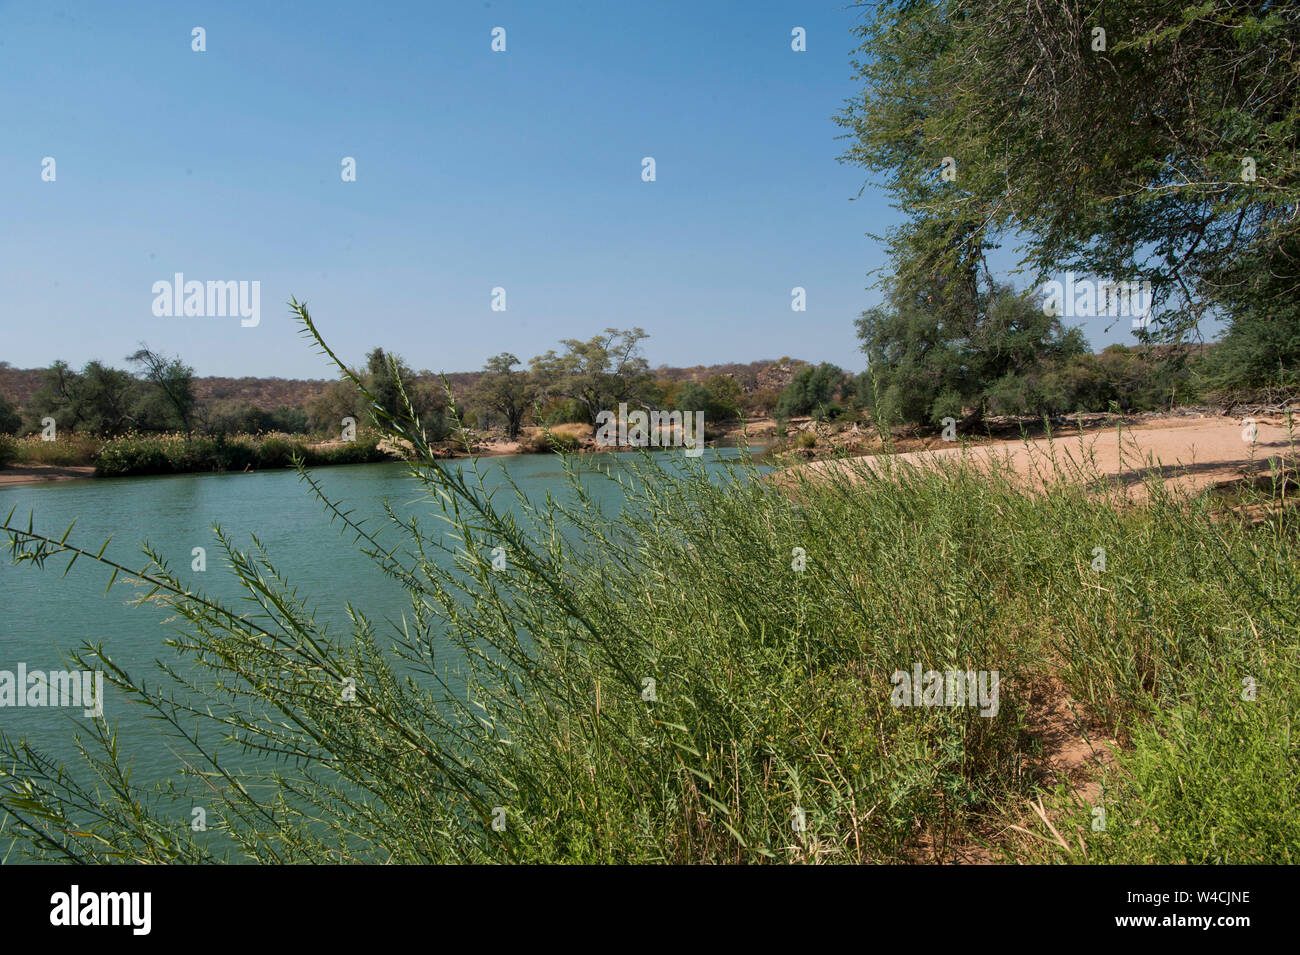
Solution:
(1132, 140)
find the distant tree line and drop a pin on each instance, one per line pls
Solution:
(574, 383)
(1014, 360)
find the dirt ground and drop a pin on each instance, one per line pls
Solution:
(1189, 453)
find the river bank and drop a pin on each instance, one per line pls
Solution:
(1187, 453)
(81, 456)
(43, 474)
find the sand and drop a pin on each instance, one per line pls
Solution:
(1189, 453)
(41, 473)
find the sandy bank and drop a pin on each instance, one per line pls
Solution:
(41, 473)
(1189, 454)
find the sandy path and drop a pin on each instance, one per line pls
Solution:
(1190, 453)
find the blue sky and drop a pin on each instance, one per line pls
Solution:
(475, 170)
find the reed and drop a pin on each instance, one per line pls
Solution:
(707, 676)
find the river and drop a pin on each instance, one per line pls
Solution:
(46, 615)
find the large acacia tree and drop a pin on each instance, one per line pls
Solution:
(506, 391)
(598, 373)
(1130, 139)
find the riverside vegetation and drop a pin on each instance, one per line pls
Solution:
(136, 453)
(767, 733)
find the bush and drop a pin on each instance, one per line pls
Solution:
(138, 454)
(763, 401)
(830, 411)
(552, 442)
(364, 450)
(812, 386)
(278, 451)
(134, 454)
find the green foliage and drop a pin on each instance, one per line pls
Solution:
(933, 361)
(1124, 162)
(98, 399)
(1205, 782)
(564, 411)
(764, 400)
(812, 386)
(524, 690)
(598, 374)
(719, 398)
(1262, 345)
(244, 417)
(10, 421)
(505, 393)
(393, 386)
(139, 453)
(169, 395)
(830, 411)
(726, 398)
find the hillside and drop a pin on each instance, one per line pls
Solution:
(18, 384)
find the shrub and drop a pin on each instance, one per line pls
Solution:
(812, 386)
(278, 451)
(550, 442)
(364, 450)
(134, 454)
(830, 411)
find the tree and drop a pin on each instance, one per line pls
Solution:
(728, 397)
(598, 373)
(813, 387)
(325, 412)
(107, 398)
(10, 420)
(505, 391)
(1164, 150)
(173, 381)
(1262, 343)
(926, 368)
(717, 398)
(58, 396)
(387, 377)
(98, 398)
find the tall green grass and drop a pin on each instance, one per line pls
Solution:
(508, 716)
(69, 449)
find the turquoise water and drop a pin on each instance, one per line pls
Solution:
(46, 615)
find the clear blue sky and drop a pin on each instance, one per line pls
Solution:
(475, 169)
